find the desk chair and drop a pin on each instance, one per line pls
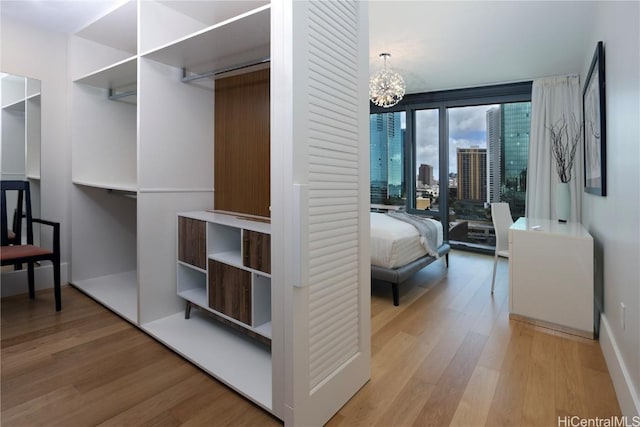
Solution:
(502, 220)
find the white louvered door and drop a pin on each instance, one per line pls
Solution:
(320, 205)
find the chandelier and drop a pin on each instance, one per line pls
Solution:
(386, 87)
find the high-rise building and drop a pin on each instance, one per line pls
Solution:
(425, 175)
(514, 157)
(387, 159)
(494, 148)
(472, 174)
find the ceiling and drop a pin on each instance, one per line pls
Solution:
(65, 16)
(439, 45)
(435, 45)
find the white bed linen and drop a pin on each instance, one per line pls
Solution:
(395, 243)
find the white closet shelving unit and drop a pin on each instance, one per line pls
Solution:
(140, 160)
(104, 161)
(21, 136)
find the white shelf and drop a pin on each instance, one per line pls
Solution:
(264, 330)
(18, 106)
(131, 188)
(233, 258)
(118, 75)
(193, 267)
(229, 219)
(116, 29)
(119, 292)
(236, 360)
(196, 296)
(245, 35)
(206, 12)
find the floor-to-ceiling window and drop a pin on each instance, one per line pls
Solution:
(464, 149)
(488, 156)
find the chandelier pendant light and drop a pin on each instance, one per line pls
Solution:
(386, 87)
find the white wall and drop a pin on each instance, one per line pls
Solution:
(614, 220)
(41, 54)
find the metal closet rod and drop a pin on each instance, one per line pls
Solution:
(187, 79)
(116, 96)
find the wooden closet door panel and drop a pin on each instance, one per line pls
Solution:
(230, 291)
(192, 242)
(242, 144)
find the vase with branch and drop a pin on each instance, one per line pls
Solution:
(564, 146)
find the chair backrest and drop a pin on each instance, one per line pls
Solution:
(21, 188)
(502, 220)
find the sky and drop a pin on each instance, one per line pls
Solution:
(467, 128)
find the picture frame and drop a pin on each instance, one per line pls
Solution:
(594, 126)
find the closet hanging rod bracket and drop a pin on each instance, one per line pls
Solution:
(188, 78)
(116, 96)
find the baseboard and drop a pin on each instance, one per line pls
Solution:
(628, 397)
(15, 282)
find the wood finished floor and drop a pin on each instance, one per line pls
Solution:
(448, 355)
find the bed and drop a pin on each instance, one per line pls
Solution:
(399, 249)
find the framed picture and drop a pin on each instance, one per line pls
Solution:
(594, 126)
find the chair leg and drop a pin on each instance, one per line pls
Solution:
(31, 280)
(56, 284)
(493, 280)
(446, 259)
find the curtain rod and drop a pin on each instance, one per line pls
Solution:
(187, 79)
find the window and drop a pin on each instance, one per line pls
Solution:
(427, 164)
(464, 149)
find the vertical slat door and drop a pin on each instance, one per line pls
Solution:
(320, 225)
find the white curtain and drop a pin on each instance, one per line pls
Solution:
(552, 99)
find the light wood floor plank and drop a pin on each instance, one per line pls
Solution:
(406, 406)
(441, 406)
(539, 397)
(570, 396)
(392, 374)
(476, 400)
(506, 407)
(448, 355)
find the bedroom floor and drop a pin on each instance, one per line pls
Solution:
(448, 355)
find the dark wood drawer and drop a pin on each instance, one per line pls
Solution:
(230, 291)
(256, 251)
(192, 242)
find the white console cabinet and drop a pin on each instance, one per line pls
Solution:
(551, 275)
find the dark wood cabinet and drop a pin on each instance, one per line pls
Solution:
(192, 242)
(230, 291)
(256, 250)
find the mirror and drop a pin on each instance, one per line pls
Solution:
(21, 138)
